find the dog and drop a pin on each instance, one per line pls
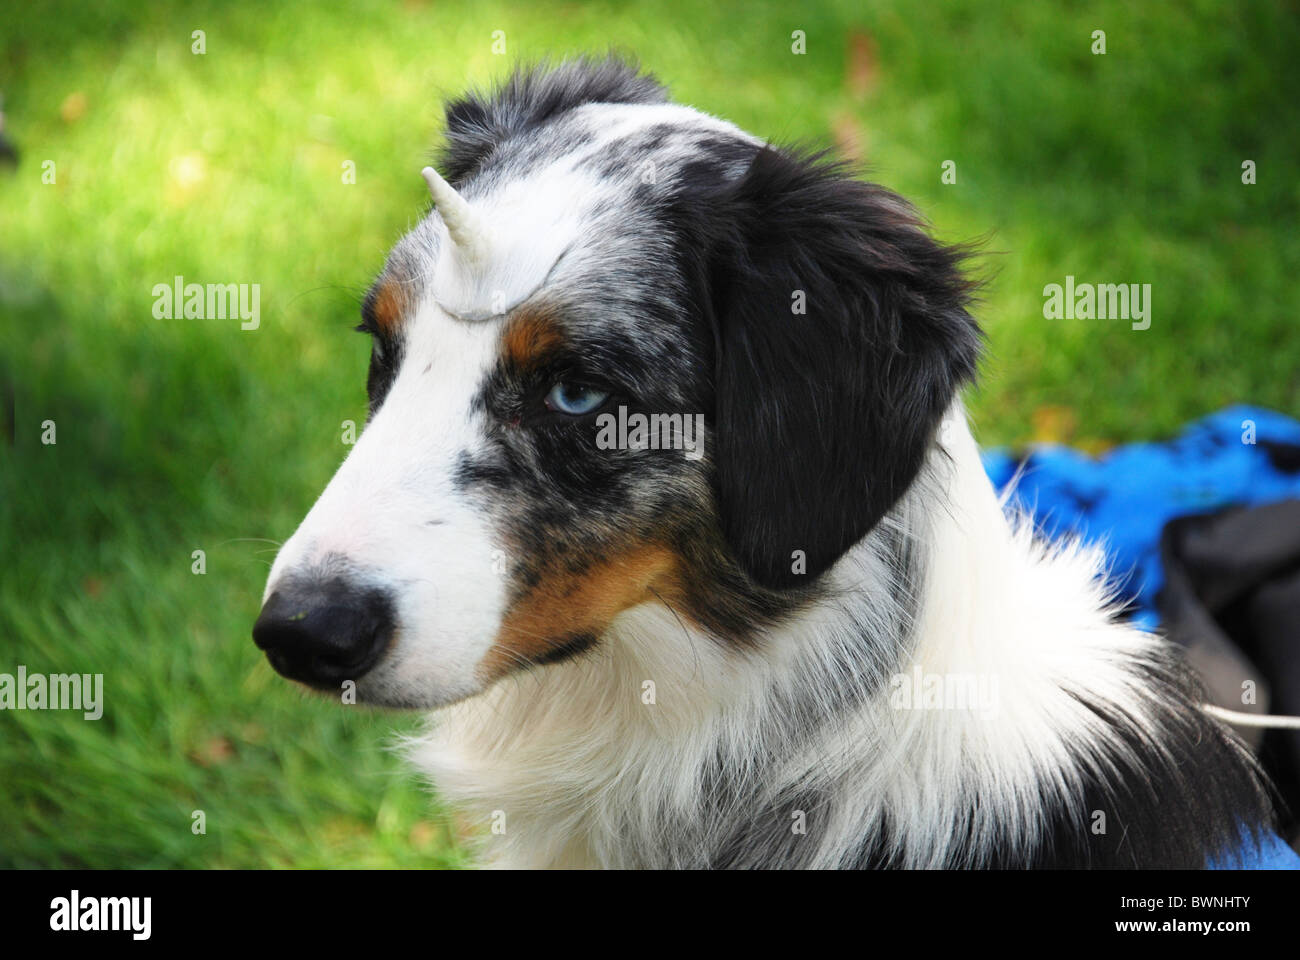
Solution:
(819, 642)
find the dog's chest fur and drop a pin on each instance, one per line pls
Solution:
(665, 748)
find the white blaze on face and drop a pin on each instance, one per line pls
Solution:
(393, 515)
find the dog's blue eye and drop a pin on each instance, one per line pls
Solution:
(574, 398)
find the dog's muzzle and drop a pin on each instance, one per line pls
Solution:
(324, 633)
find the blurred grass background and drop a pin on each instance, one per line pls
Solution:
(178, 435)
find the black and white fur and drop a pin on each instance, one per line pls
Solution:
(532, 588)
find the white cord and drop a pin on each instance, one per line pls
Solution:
(1240, 719)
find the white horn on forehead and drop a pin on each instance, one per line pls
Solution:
(464, 225)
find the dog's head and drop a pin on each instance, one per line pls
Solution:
(632, 356)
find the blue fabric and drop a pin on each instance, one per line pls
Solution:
(1123, 500)
(1270, 852)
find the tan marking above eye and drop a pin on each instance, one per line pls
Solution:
(387, 306)
(528, 337)
(564, 604)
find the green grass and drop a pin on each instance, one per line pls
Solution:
(177, 435)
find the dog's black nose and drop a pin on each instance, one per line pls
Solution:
(324, 634)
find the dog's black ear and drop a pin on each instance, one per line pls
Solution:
(841, 336)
